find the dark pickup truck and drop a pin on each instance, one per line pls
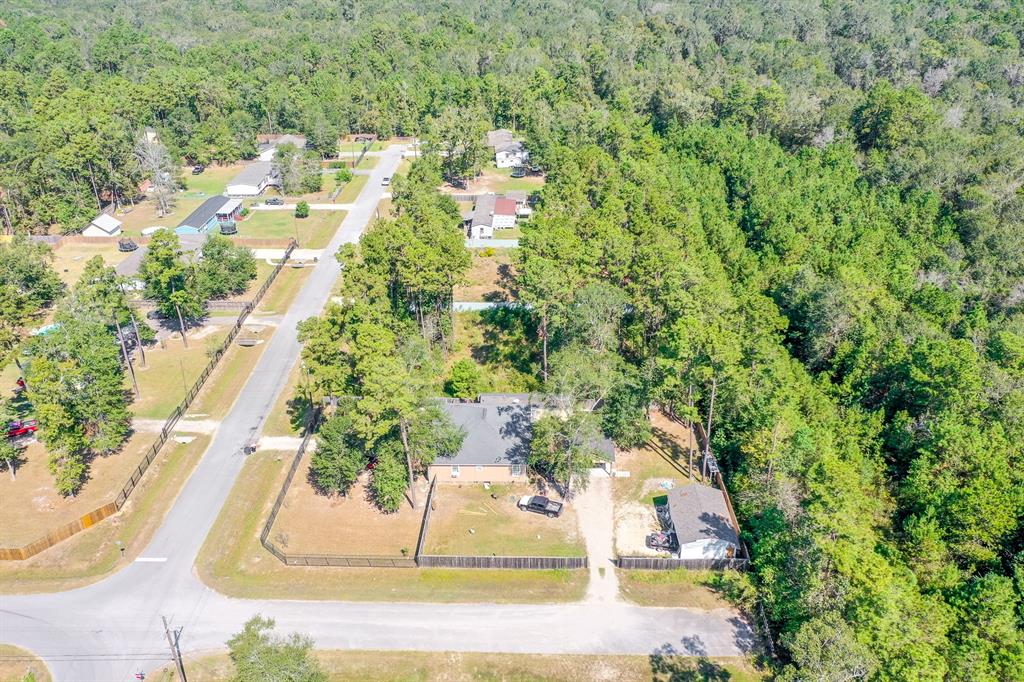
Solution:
(540, 505)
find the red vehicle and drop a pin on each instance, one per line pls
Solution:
(25, 428)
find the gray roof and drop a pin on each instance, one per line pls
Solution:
(517, 195)
(699, 513)
(512, 147)
(206, 210)
(253, 173)
(495, 434)
(499, 137)
(129, 267)
(483, 211)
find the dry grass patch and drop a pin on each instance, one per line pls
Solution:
(498, 181)
(17, 665)
(31, 506)
(70, 259)
(474, 521)
(657, 465)
(233, 562)
(408, 666)
(313, 523)
(91, 554)
(490, 277)
(144, 214)
(350, 192)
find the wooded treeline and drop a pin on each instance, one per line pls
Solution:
(813, 212)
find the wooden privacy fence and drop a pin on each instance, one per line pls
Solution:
(664, 564)
(521, 562)
(97, 515)
(426, 517)
(349, 561)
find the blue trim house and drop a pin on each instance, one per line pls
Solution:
(209, 215)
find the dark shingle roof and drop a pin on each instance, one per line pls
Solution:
(699, 513)
(206, 210)
(495, 434)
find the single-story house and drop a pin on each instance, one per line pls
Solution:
(253, 179)
(522, 199)
(103, 225)
(702, 524)
(209, 215)
(268, 144)
(129, 267)
(491, 213)
(498, 428)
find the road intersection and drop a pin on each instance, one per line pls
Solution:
(107, 631)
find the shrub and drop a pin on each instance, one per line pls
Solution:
(302, 209)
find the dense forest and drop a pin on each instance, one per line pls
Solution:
(813, 211)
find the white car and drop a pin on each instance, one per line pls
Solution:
(386, 181)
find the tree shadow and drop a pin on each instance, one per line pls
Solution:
(298, 409)
(689, 663)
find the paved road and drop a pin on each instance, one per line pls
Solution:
(107, 631)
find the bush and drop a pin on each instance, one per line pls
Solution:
(343, 175)
(302, 209)
(465, 380)
(336, 164)
(244, 212)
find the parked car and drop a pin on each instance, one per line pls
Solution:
(538, 504)
(386, 181)
(198, 170)
(535, 169)
(22, 428)
(275, 201)
(661, 541)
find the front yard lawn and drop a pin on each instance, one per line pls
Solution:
(313, 232)
(233, 562)
(470, 520)
(312, 523)
(213, 180)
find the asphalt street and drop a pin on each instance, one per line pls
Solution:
(110, 630)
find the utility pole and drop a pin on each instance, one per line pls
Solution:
(135, 326)
(175, 649)
(124, 351)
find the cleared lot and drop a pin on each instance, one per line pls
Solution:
(312, 523)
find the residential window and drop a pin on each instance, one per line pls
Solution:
(455, 471)
(517, 469)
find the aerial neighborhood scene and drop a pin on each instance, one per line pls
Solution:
(525, 340)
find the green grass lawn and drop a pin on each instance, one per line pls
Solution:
(420, 666)
(349, 147)
(509, 184)
(170, 371)
(351, 191)
(368, 163)
(513, 233)
(287, 285)
(473, 521)
(233, 562)
(682, 587)
(290, 413)
(214, 180)
(313, 232)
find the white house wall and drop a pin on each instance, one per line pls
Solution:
(707, 549)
